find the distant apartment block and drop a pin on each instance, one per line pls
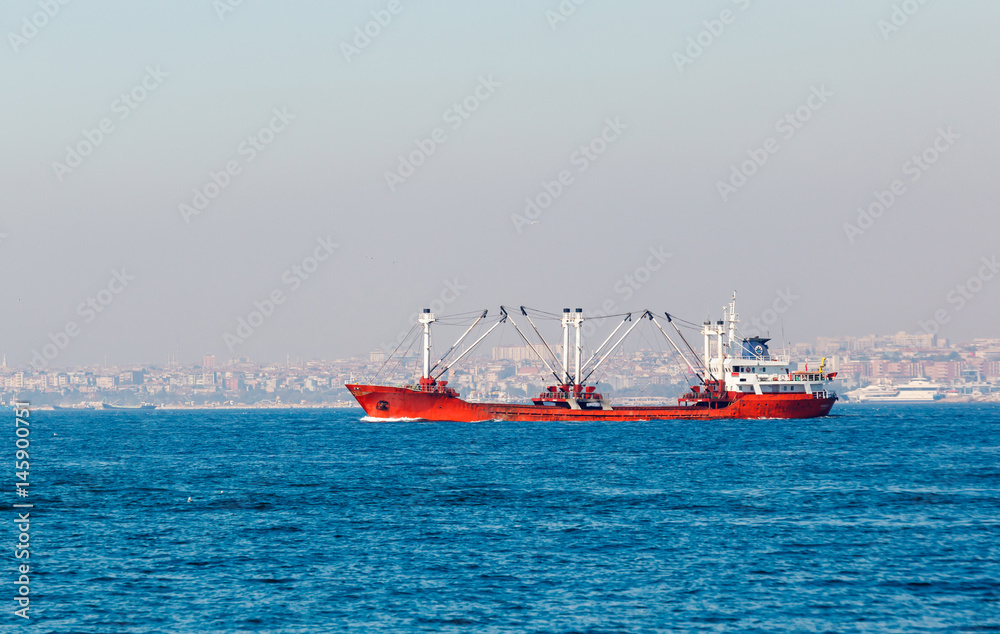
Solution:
(106, 382)
(524, 353)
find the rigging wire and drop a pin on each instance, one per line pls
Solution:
(402, 358)
(608, 316)
(534, 350)
(401, 341)
(468, 331)
(461, 319)
(612, 357)
(544, 343)
(465, 314)
(458, 317)
(542, 312)
(558, 316)
(684, 339)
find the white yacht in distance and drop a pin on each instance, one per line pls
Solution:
(916, 391)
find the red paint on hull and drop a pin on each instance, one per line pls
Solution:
(384, 402)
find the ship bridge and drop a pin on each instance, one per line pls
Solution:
(746, 365)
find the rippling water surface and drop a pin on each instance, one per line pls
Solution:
(876, 519)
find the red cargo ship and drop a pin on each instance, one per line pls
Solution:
(738, 378)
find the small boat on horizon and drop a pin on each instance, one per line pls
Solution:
(142, 406)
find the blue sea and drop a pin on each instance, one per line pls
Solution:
(875, 519)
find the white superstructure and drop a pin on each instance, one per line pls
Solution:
(748, 366)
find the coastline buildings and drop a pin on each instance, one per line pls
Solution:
(504, 372)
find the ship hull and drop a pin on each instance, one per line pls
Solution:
(388, 403)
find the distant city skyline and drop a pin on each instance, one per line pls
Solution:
(273, 181)
(845, 346)
(962, 373)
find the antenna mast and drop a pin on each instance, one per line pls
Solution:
(427, 318)
(577, 323)
(566, 321)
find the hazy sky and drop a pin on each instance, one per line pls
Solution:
(186, 90)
